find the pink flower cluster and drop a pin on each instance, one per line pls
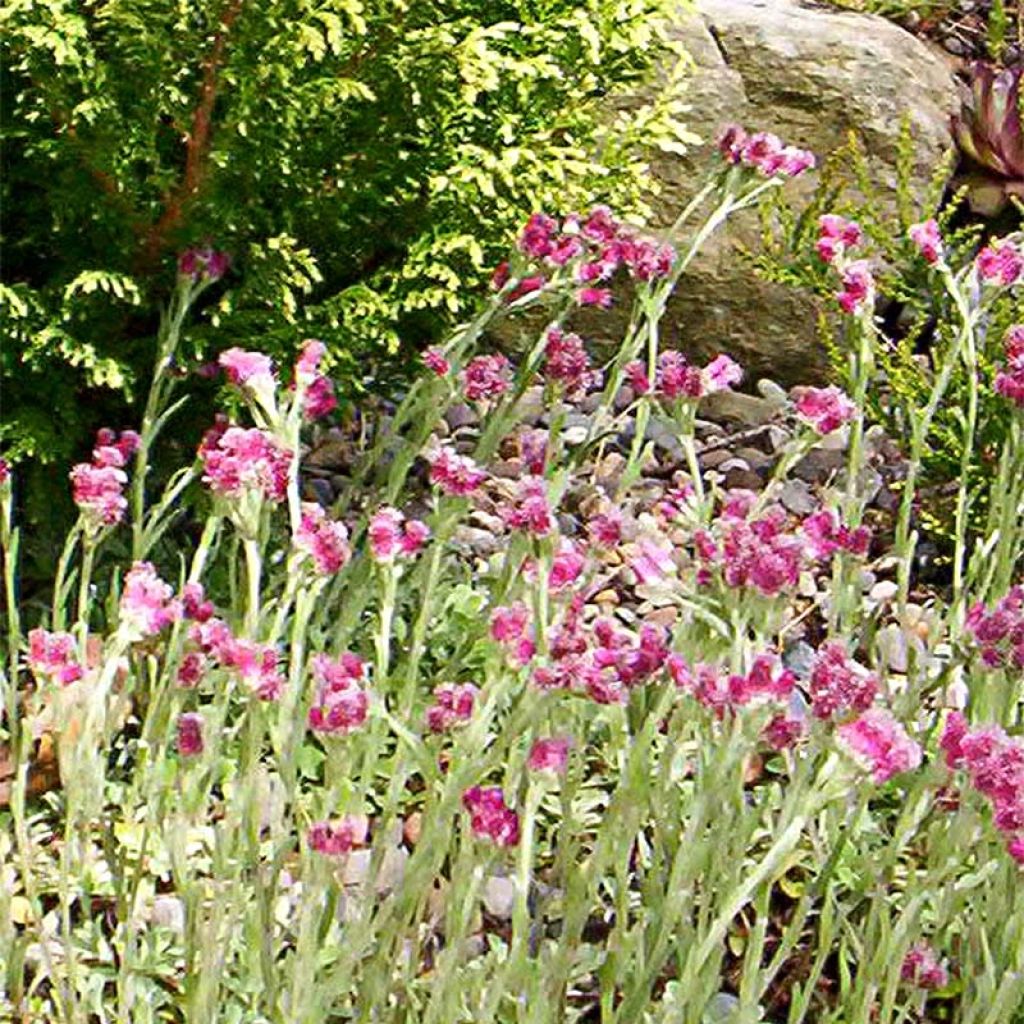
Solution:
(1009, 380)
(453, 704)
(194, 604)
(881, 743)
(189, 729)
(341, 704)
(247, 369)
(999, 631)
(567, 363)
(436, 361)
(254, 663)
(836, 236)
(928, 239)
(1001, 264)
(567, 566)
(677, 378)
(148, 604)
(750, 552)
(858, 287)
(490, 817)
(510, 627)
(98, 486)
(486, 377)
(5, 472)
(549, 755)
(52, 656)
(392, 535)
(529, 511)
(838, 685)
(995, 765)
(322, 539)
(455, 474)
(203, 263)
(826, 535)
(764, 152)
(601, 244)
(825, 409)
(766, 682)
(319, 399)
(922, 967)
(236, 461)
(336, 838)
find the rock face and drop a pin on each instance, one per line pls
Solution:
(812, 75)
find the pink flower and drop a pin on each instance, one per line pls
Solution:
(237, 461)
(392, 535)
(148, 604)
(567, 362)
(98, 487)
(1001, 263)
(763, 152)
(677, 378)
(720, 374)
(600, 297)
(336, 838)
(783, 731)
(839, 685)
(536, 240)
(636, 374)
(1015, 848)
(51, 656)
(489, 816)
(256, 664)
(191, 669)
(652, 562)
(322, 539)
(928, 239)
(486, 377)
(605, 529)
(836, 235)
(508, 624)
(921, 967)
(825, 409)
(767, 680)
(320, 400)
(1009, 380)
(435, 361)
(310, 356)
(190, 734)
(455, 474)
(341, 704)
(203, 263)
(826, 535)
(5, 472)
(567, 566)
(530, 511)
(877, 739)
(194, 604)
(533, 449)
(247, 368)
(999, 631)
(453, 704)
(549, 755)
(858, 291)
(647, 260)
(953, 734)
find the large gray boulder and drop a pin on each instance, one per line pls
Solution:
(812, 75)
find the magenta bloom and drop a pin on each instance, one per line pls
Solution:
(1009, 380)
(392, 535)
(838, 685)
(605, 529)
(677, 378)
(486, 377)
(783, 731)
(320, 400)
(322, 539)
(247, 368)
(533, 449)
(721, 374)
(341, 704)
(436, 362)
(922, 967)
(1001, 264)
(646, 259)
(881, 743)
(5, 472)
(509, 628)
(98, 487)
(537, 238)
(999, 631)
(600, 297)
(191, 669)
(307, 365)
(51, 656)
(335, 838)
(237, 461)
(825, 409)
(567, 566)
(636, 374)
(549, 755)
(489, 816)
(530, 511)
(148, 604)
(190, 734)
(203, 263)
(928, 239)
(455, 474)
(453, 704)
(194, 604)
(858, 291)
(836, 235)
(826, 535)
(763, 152)
(256, 664)
(567, 362)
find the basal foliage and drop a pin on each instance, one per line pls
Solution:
(359, 160)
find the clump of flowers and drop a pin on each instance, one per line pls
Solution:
(486, 377)
(678, 378)
(764, 152)
(530, 510)
(549, 755)
(189, 729)
(392, 535)
(881, 743)
(836, 236)
(928, 239)
(999, 631)
(237, 461)
(436, 361)
(490, 817)
(567, 363)
(255, 663)
(839, 685)
(1009, 380)
(455, 474)
(98, 486)
(205, 264)
(319, 399)
(336, 838)
(1001, 264)
(341, 704)
(825, 409)
(766, 682)
(52, 656)
(826, 535)
(509, 626)
(148, 604)
(453, 704)
(923, 968)
(858, 287)
(322, 539)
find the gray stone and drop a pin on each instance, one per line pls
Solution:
(796, 497)
(818, 465)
